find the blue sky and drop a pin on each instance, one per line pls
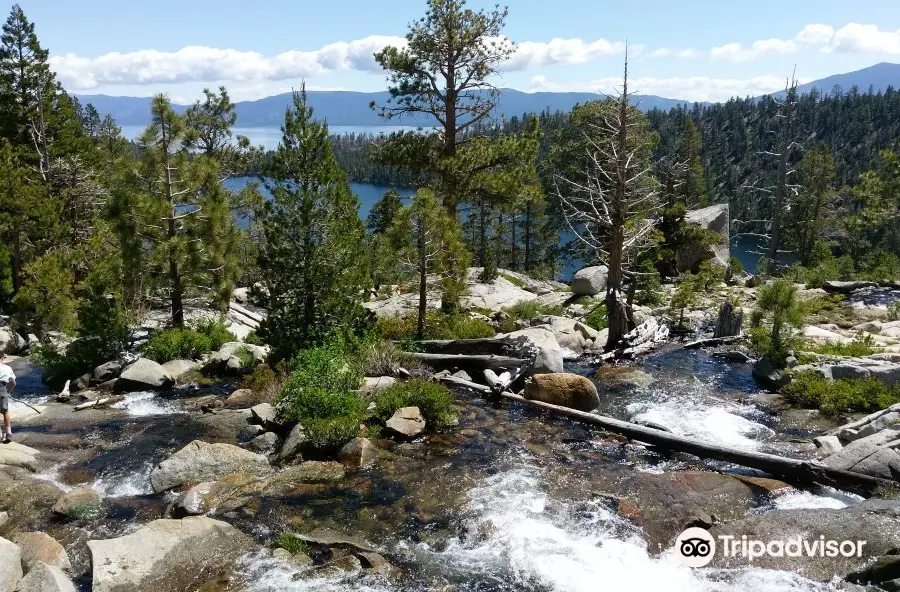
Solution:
(698, 50)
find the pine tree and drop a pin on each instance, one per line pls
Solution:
(313, 257)
(428, 247)
(693, 190)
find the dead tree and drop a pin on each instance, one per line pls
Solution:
(785, 185)
(613, 209)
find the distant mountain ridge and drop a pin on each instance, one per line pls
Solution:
(348, 108)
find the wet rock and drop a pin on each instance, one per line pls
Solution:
(199, 461)
(10, 565)
(251, 431)
(40, 547)
(46, 578)
(240, 398)
(11, 342)
(294, 444)
(765, 373)
(827, 445)
(885, 569)
(178, 368)
(263, 414)
(590, 281)
(311, 471)
(406, 423)
(108, 371)
(4, 518)
(297, 560)
(567, 390)
(374, 384)
(17, 455)
(881, 423)
(359, 454)
(78, 502)
(323, 537)
(266, 443)
(144, 375)
(219, 497)
(167, 555)
(377, 564)
(873, 521)
(549, 355)
(733, 356)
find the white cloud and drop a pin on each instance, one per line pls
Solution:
(205, 64)
(664, 52)
(857, 38)
(815, 34)
(535, 54)
(693, 88)
(735, 52)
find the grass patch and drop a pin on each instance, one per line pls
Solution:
(384, 358)
(265, 383)
(514, 280)
(248, 360)
(597, 319)
(188, 344)
(833, 397)
(289, 542)
(862, 345)
(434, 401)
(437, 326)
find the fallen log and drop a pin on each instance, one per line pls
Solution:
(791, 470)
(99, 403)
(714, 341)
(480, 362)
(237, 308)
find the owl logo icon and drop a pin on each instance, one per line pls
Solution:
(695, 547)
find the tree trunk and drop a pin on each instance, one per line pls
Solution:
(513, 263)
(175, 281)
(729, 321)
(423, 280)
(527, 229)
(16, 262)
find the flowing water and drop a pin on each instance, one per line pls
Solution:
(508, 500)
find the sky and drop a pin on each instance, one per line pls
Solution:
(699, 50)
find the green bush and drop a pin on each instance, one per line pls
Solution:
(81, 357)
(514, 280)
(528, 310)
(598, 318)
(253, 339)
(833, 397)
(320, 394)
(776, 320)
(437, 326)
(289, 542)
(434, 401)
(862, 345)
(265, 383)
(893, 312)
(189, 344)
(735, 267)
(382, 358)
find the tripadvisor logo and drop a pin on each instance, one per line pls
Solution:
(696, 547)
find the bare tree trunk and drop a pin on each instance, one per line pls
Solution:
(617, 308)
(423, 281)
(527, 229)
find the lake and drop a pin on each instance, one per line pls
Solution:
(269, 137)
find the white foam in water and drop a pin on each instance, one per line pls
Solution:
(125, 486)
(142, 404)
(825, 497)
(265, 574)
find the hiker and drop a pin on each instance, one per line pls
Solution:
(7, 385)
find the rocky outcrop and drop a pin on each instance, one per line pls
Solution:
(10, 565)
(590, 281)
(765, 373)
(178, 368)
(883, 370)
(199, 461)
(78, 503)
(548, 353)
(144, 375)
(846, 287)
(17, 455)
(406, 423)
(566, 390)
(167, 555)
(40, 547)
(873, 521)
(229, 357)
(873, 455)
(294, 444)
(359, 454)
(108, 371)
(572, 335)
(11, 342)
(715, 218)
(46, 578)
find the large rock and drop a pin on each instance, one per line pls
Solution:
(873, 455)
(883, 370)
(178, 368)
(374, 384)
(167, 555)
(572, 335)
(266, 443)
(873, 521)
(359, 453)
(199, 461)
(566, 390)
(40, 547)
(144, 375)
(590, 281)
(549, 355)
(17, 455)
(228, 360)
(294, 445)
(768, 376)
(46, 578)
(846, 287)
(406, 423)
(10, 565)
(78, 503)
(715, 218)
(11, 342)
(263, 414)
(108, 371)
(500, 293)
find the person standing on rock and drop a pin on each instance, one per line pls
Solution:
(7, 385)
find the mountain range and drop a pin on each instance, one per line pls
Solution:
(348, 108)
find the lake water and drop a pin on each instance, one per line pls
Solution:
(269, 137)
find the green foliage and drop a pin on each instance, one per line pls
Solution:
(264, 382)
(529, 310)
(862, 345)
(382, 215)
(517, 282)
(893, 311)
(253, 338)
(434, 401)
(246, 357)
(778, 312)
(313, 256)
(382, 358)
(291, 543)
(190, 344)
(686, 296)
(320, 394)
(834, 397)
(437, 326)
(597, 318)
(735, 267)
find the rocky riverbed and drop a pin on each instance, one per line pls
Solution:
(507, 500)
